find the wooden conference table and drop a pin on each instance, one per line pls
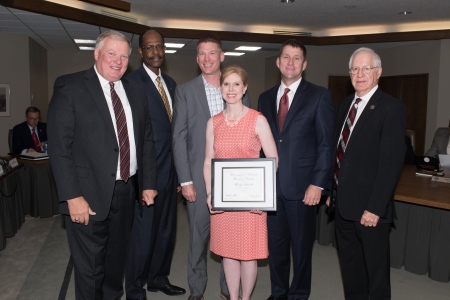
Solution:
(420, 236)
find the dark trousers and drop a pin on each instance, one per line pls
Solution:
(99, 249)
(364, 259)
(294, 223)
(152, 242)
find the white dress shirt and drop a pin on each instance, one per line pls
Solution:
(153, 77)
(128, 115)
(292, 89)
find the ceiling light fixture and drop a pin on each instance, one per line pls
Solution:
(87, 48)
(174, 45)
(405, 13)
(287, 1)
(170, 51)
(234, 53)
(247, 48)
(80, 41)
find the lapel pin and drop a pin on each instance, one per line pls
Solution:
(372, 107)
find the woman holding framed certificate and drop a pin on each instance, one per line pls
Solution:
(240, 237)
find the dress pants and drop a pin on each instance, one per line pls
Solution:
(152, 242)
(294, 223)
(364, 259)
(199, 226)
(99, 249)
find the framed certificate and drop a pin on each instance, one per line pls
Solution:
(243, 184)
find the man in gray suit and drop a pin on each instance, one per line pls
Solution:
(441, 142)
(195, 102)
(101, 142)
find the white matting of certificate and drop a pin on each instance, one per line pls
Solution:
(243, 184)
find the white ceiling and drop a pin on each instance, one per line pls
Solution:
(319, 17)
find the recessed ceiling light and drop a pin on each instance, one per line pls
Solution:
(79, 41)
(405, 13)
(287, 1)
(170, 51)
(247, 48)
(86, 48)
(174, 45)
(234, 53)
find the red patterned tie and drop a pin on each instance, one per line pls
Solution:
(343, 140)
(283, 108)
(122, 132)
(35, 141)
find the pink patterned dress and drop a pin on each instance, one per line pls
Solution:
(238, 235)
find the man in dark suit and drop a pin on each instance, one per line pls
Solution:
(301, 117)
(101, 144)
(153, 232)
(31, 135)
(441, 142)
(196, 101)
(369, 144)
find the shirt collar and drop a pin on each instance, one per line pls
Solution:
(206, 84)
(150, 73)
(367, 96)
(293, 87)
(104, 82)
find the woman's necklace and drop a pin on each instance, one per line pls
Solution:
(235, 122)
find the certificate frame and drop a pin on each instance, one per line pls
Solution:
(243, 184)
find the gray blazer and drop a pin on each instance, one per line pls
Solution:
(190, 115)
(440, 142)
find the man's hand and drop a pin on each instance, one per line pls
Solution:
(328, 201)
(79, 210)
(189, 192)
(42, 144)
(31, 150)
(368, 219)
(312, 195)
(148, 197)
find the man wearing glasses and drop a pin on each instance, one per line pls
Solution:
(370, 149)
(31, 135)
(153, 233)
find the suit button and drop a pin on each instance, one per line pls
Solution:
(115, 149)
(280, 141)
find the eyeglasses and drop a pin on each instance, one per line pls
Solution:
(366, 70)
(151, 48)
(33, 119)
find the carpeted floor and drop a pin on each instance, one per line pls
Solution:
(34, 264)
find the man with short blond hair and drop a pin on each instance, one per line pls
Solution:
(196, 101)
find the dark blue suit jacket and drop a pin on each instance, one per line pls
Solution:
(22, 139)
(305, 145)
(162, 129)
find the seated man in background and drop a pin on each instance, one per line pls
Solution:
(441, 142)
(29, 136)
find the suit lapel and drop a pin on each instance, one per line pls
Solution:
(201, 95)
(170, 87)
(134, 108)
(298, 98)
(273, 108)
(151, 89)
(369, 109)
(95, 89)
(341, 117)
